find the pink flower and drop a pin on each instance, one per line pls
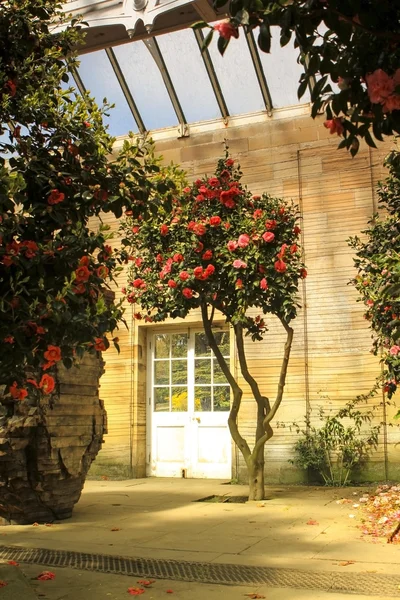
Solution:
(232, 245)
(334, 126)
(164, 229)
(263, 284)
(239, 264)
(392, 103)
(187, 292)
(394, 350)
(186, 190)
(380, 85)
(184, 275)
(243, 240)
(280, 266)
(215, 220)
(268, 236)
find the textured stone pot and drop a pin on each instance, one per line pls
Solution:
(46, 450)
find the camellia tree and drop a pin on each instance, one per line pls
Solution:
(55, 265)
(219, 249)
(349, 51)
(377, 262)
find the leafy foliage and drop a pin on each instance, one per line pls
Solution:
(339, 445)
(377, 281)
(349, 51)
(55, 175)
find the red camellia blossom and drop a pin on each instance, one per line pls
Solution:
(215, 221)
(243, 240)
(84, 261)
(79, 288)
(9, 339)
(270, 224)
(172, 283)
(258, 213)
(102, 271)
(135, 229)
(239, 284)
(296, 230)
(226, 30)
(139, 283)
(11, 87)
(293, 248)
(239, 264)
(46, 576)
(178, 257)
(229, 161)
(210, 270)
(99, 344)
(187, 292)
(263, 284)
(207, 255)
(303, 273)
(53, 353)
(82, 274)
(268, 236)
(198, 272)
(55, 197)
(135, 591)
(184, 275)
(380, 85)
(199, 229)
(232, 245)
(164, 229)
(47, 384)
(280, 266)
(213, 181)
(17, 393)
(334, 125)
(31, 248)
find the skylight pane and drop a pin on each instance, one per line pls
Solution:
(99, 78)
(186, 68)
(146, 85)
(282, 73)
(237, 77)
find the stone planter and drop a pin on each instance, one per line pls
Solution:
(46, 450)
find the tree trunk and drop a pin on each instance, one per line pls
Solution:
(256, 477)
(47, 447)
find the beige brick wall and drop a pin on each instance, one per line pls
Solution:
(294, 157)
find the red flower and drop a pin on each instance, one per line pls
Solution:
(199, 247)
(31, 248)
(280, 266)
(13, 563)
(135, 229)
(268, 236)
(102, 271)
(263, 284)
(86, 124)
(82, 274)
(139, 283)
(296, 230)
(184, 275)
(177, 257)
(187, 292)
(46, 576)
(232, 245)
(303, 273)
(47, 385)
(3, 583)
(186, 190)
(230, 162)
(380, 85)
(9, 339)
(199, 229)
(138, 261)
(215, 221)
(334, 126)
(11, 86)
(164, 229)
(210, 270)
(213, 181)
(258, 213)
(79, 288)
(53, 353)
(134, 591)
(239, 264)
(198, 272)
(293, 248)
(270, 224)
(159, 258)
(243, 240)
(200, 198)
(17, 393)
(55, 197)
(172, 283)
(99, 344)
(239, 284)
(207, 255)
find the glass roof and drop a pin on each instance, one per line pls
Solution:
(167, 80)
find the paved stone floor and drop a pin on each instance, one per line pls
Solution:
(298, 527)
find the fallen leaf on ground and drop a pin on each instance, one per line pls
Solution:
(115, 529)
(45, 576)
(13, 563)
(344, 563)
(3, 584)
(312, 522)
(146, 582)
(254, 595)
(134, 591)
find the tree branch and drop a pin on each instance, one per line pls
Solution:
(237, 392)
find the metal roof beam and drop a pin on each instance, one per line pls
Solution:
(125, 89)
(198, 34)
(262, 82)
(78, 81)
(154, 49)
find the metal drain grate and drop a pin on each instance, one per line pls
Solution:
(366, 584)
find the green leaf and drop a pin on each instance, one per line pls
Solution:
(199, 25)
(264, 38)
(222, 45)
(207, 40)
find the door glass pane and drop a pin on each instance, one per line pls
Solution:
(221, 398)
(201, 345)
(219, 377)
(222, 339)
(179, 399)
(161, 372)
(161, 399)
(202, 370)
(179, 345)
(162, 345)
(179, 371)
(202, 398)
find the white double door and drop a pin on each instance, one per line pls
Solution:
(188, 402)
